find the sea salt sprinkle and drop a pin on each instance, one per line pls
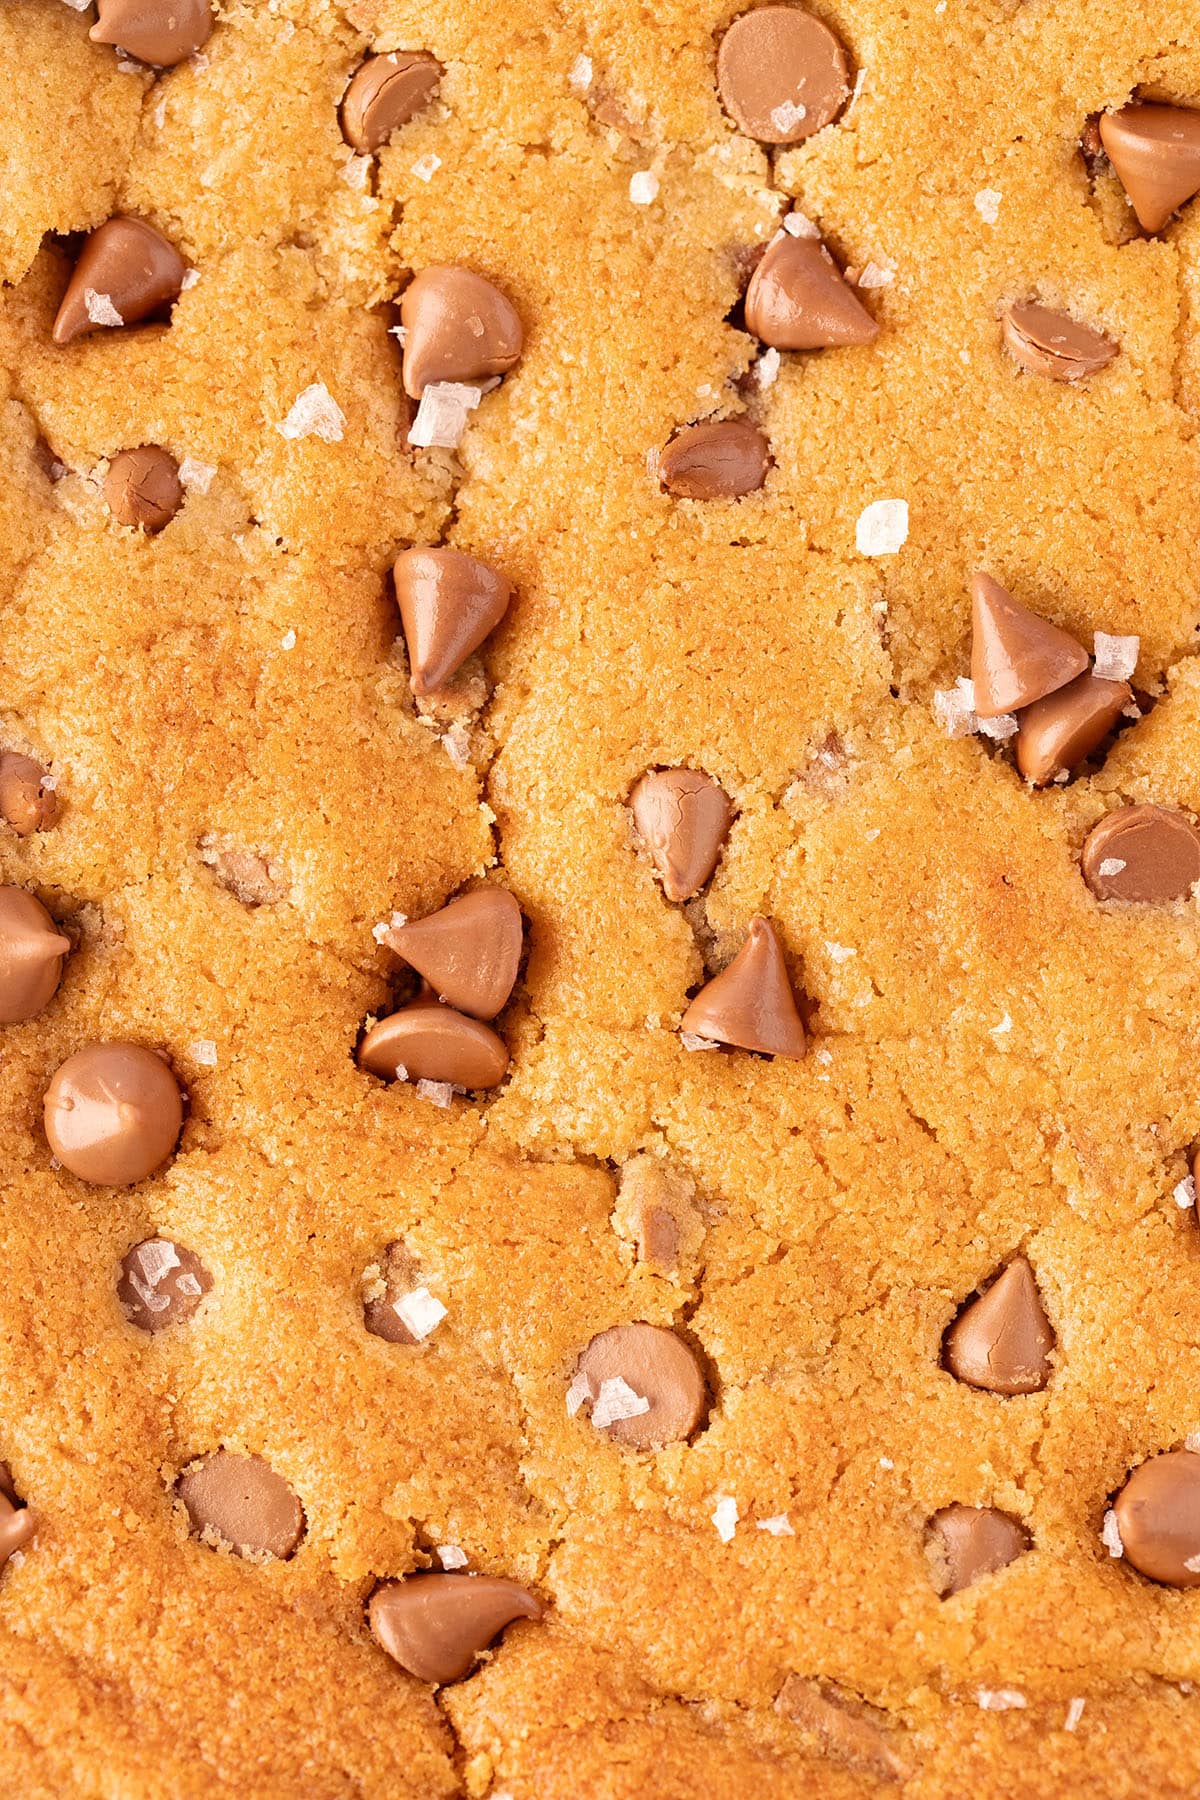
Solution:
(877, 275)
(440, 1093)
(442, 415)
(288, 640)
(779, 1525)
(987, 205)
(1074, 1714)
(426, 167)
(420, 1311)
(452, 1556)
(100, 309)
(204, 1051)
(579, 1391)
(1112, 865)
(617, 1400)
(767, 367)
(579, 76)
(379, 932)
(195, 475)
(1110, 1534)
(797, 225)
(954, 709)
(882, 528)
(787, 115)
(315, 414)
(1185, 1196)
(1115, 657)
(725, 1517)
(1000, 1699)
(643, 187)
(691, 1041)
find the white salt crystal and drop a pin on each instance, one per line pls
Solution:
(1112, 865)
(315, 414)
(987, 205)
(1192, 1441)
(426, 167)
(78, 5)
(356, 171)
(440, 1093)
(643, 187)
(797, 225)
(882, 528)
(877, 275)
(1185, 1196)
(187, 1284)
(579, 76)
(1004, 726)
(1116, 657)
(840, 952)
(954, 708)
(885, 1462)
(691, 1041)
(442, 415)
(379, 932)
(157, 1258)
(779, 1525)
(768, 367)
(1110, 1535)
(579, 1391)
(457, 744)
(872, 834)
(617, 1400)
(197, 475)
(725, 1517)
(205, 1053)
(420, 1311)
(1004, 1025)
(288, 641)
(1192, 1564)
(788, 115)
(1000, 1699)
(153, 1302)
(100, 309)
(452, 1556)
(1074, 1714)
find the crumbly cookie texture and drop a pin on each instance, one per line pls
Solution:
(250, 799)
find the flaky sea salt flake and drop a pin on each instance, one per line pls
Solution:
(438, 1093)
(725, 1517)
(799, 225)
(788, 114)
(100, 309)
(617, 1400)
(157, 1258)
(1115, 657)
(204, 1051)
(315, 414)
(692, 1041)
(1185, 1196)
(195, 475)
(779, 1525)
(1005, 725)
(426, 167)
(1110, 1534)
(288, 640)
(1074, 1714)
(442, 415)
(882, 528)
(579, 1391)
(954, 708)
(767, 367)
(420, 1311)
(1112, 865)
(452, 1556)
(579, 75)
(643, 187)
(877, 275)
(987, 204)
(1000, 1699)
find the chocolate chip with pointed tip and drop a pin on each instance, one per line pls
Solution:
(717, 459)
(243, 1503)
(432, 1042)
(449, 603)
(142, 488)
(1158, 1517)
(161, 1283)
(159, 32)
(1155, 150)
(436, 1626)
(457, 327)
(751, 1005)
(113, 1113)
(27, 803)
(798, 299)
(1053, 344)
(781, 74)
(469, 952)
(1055, 734)
(655, 1366)
(127, 272)
(683, 817)
(1016, 655)
(969, 1542)
(1001, 1341)
(32, 954)
(384, 93)
(18, 1524)
(1148, 854)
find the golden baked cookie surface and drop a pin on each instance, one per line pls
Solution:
(1000, 1076)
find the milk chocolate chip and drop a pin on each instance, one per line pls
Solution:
(143, 489)
(449, 603)
(17, 1523)
(683, 817)
(1053, 344)
(642, 1385)
(113, 1113)
(385, 1283)
(1158, 1517)
(27, 802)
(1016, 656)
(1144, 853)
(430, 1042)
(468, 952)
(243, 1503)
(32, 953)
(435, 1626)
(458, 327)
(127, 271)
(161, 1284)
(969, 1542)
(798, 299)
(718, 459)
(159, 32)
(1056, 733)
(781, 74)
(1156, 153)
(1002, 1340)
(385, 92)
(751, 1004)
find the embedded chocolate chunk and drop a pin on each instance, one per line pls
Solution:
(1002, 1340)
(431, 1042)
(718, 459)
(241, 1502)
(1158, 1518)
(798, 299)
(161, 1283)
(435, 1625)
(385, 92)
(1156, 152)
(458, 327)
(969, 1542)
(1147, 853)
(32, 953)
(1056, 733)
(142, 488)
(469, 952)
(1016, 656)
(683, 817)
(18, 1524)
(28, 801)
(159, 32)
(127, 271)
(642, 1385)
(113, 1113)
(449, 603)
(751, 1005)
(1054, 344)
(781, 74)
